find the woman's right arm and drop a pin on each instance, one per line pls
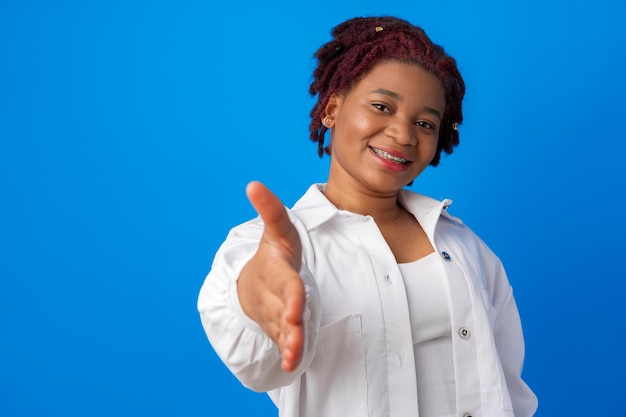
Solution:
(259, 305)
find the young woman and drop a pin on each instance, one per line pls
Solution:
(366, 299)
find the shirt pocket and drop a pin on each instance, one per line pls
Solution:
(336, 382)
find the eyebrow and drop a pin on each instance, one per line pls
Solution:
(389, 93)
(398, 97)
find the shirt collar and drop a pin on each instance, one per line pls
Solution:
(426, 210)
(313, 208)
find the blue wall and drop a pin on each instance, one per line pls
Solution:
(128, 130)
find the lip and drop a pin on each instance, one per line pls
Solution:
(388, 164)
(394, 152)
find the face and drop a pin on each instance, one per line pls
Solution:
(385, 129)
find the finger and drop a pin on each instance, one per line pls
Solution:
(288, 338)
(293, 346)
(283, 305)
(270, 208)
(294, 298)
(293, 325)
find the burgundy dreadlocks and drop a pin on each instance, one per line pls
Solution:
(360, 43)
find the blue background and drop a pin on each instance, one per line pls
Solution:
(128, 130)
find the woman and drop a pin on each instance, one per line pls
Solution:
(366, 299)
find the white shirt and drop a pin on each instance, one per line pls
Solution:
(358, 357)
(426, 285)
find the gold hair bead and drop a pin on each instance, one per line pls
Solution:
(455, 126)
(379, 28)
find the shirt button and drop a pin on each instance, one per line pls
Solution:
(387, 279)
(464, 333)
(445, 255)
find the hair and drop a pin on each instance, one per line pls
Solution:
(358, 45)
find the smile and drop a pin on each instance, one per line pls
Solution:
(388, 156)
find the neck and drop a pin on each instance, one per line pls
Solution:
(383, 207)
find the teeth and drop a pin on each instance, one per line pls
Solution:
(390, 157)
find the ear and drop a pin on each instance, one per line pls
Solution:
(333, 106)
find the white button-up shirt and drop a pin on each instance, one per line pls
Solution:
(358, 356)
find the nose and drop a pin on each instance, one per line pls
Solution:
(402, 131)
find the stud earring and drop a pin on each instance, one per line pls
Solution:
(327, 121)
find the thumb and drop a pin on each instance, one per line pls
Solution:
(279, 231)
(270, 208)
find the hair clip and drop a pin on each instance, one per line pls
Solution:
(455, 126)
(379, 29)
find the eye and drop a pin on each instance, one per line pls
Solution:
(424, 124)
(381, 107)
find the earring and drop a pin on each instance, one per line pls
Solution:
(328, 121)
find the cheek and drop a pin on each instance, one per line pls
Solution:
(358, 123)
(427, 151)
(352, 132)
(429, 144)
(434, 144)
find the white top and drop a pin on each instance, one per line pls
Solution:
(429, 309)
(358, 354)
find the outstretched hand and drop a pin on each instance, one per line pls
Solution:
(270, 289)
